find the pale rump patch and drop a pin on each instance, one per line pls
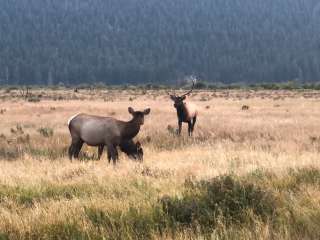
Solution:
(70, 119)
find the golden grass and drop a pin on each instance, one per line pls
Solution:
(280, 130)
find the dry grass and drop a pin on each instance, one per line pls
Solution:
(40, 190)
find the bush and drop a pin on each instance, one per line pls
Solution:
(9, 153)
(306, 176)
(34, 99)
(46, 132)
(4, 236)
(224, 197)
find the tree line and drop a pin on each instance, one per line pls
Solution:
(138, 41)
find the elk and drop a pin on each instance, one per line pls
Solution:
(186, 111)
(133, 150)
(103, 131)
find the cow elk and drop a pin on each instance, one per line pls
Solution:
(103, 131)
(186, 111)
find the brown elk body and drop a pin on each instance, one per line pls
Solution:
(103, 131)
(186, 111)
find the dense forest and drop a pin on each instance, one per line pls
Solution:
(158, 41)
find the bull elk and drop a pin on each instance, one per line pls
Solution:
(103, 131)
(186, 111)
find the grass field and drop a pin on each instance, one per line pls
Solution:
(245, 174)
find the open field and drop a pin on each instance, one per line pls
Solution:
(245, 174)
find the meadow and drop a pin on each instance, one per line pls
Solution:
(245, 174)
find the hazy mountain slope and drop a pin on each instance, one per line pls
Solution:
(120, 41)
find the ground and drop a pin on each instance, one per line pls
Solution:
(273, 142)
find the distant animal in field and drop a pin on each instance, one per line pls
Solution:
(171, 130)
(133, 150)
(103, 131)
(186, 111)
(245, 107)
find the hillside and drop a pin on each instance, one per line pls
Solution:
(139, 41)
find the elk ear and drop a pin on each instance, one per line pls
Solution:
(147, 111)
(173, 98)
(130, 110)
(183, 98)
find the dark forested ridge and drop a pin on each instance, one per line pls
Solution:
(158, 41)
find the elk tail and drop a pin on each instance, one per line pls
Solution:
(70, 119)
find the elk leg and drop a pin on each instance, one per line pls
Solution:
(73, 147)
(100, 151)
(71, 150)
(116, 155)
(193, 123)
(180, 126)
(112, 154)
(190, 128)
(109, 155)
(78, 149)
(116, 152)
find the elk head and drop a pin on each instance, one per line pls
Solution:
(133, 150)
(178, 100)
(138, 115)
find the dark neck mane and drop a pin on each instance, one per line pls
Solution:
(130, 129)
(181, 112)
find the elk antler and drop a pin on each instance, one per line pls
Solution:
(193, 83)
(174, 93)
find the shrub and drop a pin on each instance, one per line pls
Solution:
(4, 236)
(306, 176)
(34, 99)
(9, 153)
(223, 197)
(46, 131)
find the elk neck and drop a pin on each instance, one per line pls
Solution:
(130, 129)
(181, 112)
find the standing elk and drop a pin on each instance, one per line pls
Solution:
(186, 111)
(103, 131)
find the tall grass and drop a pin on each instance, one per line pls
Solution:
(203, 208)
(249, 174)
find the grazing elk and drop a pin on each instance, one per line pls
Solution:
(186, 111)
(133, 150)
(103, 131)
